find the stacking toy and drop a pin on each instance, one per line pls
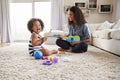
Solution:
(55, 60)
(51, 60)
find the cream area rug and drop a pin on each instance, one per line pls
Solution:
(17, 64)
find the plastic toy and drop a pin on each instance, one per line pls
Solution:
(73, 38)
(55, 35)
(55, 60)
(44, 57)
(51, 58)
(38, 54)
(66, 59)
(50, 61)
(47, 62)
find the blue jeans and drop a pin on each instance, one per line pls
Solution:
(81, 47)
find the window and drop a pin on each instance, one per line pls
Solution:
(43, 11)
(20, 13)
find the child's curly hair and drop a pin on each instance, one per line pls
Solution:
(31, 22)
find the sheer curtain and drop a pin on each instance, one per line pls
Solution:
(5, 30)
(57, 15)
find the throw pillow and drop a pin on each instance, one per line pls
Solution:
(105, 25)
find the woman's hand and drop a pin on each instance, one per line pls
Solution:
(60, 36)
(74, 43)
(88, 40)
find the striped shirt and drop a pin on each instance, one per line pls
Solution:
(33, 48)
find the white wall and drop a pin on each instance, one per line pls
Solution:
(114, 10)
(94, 15)
(117, 17)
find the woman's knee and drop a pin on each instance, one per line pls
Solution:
(81, 47)
(63, 44)
(58, 41)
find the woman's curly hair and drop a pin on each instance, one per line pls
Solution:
(78, 15)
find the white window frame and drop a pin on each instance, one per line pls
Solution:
(33, 8)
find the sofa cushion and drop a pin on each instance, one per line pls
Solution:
(95, 34)
(93, 27)
(105, 25)
(116, 25)
(115, 34)
(105, 34)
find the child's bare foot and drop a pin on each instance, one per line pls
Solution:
(54, 51)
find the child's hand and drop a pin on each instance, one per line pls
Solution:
(44, 39)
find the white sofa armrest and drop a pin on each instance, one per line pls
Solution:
(94, 27)
(115, 34)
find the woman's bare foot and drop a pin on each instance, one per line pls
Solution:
(60, 49)
(67, 50)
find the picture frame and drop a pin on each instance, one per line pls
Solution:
(92, 4)
(80, 4)
(105, 8)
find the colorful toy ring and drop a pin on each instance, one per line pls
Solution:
(47, 62)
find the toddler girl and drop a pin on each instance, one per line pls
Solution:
(35, 26)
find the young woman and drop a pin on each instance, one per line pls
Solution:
(77, 26)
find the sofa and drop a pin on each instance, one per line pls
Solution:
(106, 36)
